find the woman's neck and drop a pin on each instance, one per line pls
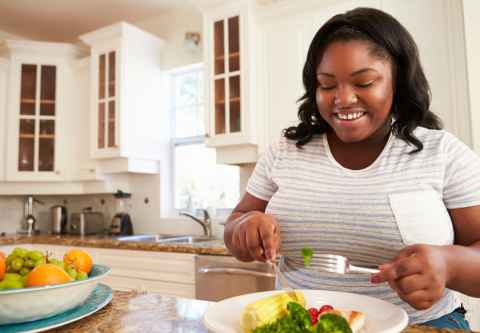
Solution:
(362, 154)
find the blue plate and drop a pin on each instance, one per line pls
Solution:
(100, 297)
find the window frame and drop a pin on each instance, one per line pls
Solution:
(222, 213)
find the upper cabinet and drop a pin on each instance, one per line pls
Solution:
(38, 109)
(229, 74)
(125, 96)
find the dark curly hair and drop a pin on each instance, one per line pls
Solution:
(386, 39)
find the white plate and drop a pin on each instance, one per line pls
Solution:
(380, 316)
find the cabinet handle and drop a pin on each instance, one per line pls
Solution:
(92, 170)
(57, 172)
(235, 271)
(207, 135)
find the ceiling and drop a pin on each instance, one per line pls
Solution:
(65, 20)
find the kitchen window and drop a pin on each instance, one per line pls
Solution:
(196, 173)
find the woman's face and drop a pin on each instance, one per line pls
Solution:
(354, 93)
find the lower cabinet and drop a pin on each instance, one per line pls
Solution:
(160, 273)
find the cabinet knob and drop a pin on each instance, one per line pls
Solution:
(92, 170)
(207, 135)
(57, 172)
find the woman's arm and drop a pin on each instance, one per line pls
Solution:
(463, 258)
(250, 234)
(420, 273)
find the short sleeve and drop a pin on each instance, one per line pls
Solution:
(260, 184)
(461, 187)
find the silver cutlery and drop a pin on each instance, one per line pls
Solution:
(333, 263)
(285, 285)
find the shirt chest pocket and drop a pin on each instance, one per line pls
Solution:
(422, 218)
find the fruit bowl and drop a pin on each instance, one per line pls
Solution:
(29, 304)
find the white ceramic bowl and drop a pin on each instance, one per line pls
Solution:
(29, 304)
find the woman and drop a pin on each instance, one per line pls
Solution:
(368, 174)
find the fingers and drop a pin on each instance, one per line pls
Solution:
(268, 239)
(403, 267)
(254, 244)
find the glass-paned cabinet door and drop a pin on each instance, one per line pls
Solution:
(37, 118)
(106, 100)
(227, 117)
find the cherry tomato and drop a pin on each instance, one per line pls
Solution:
(314, 315)
(325, 308)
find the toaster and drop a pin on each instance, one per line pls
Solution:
(86, 223)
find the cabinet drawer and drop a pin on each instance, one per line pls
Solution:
(156, 266)
(121, 283)
(169, 289)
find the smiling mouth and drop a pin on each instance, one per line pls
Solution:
(350, 116)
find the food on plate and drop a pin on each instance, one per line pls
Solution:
(355, 319)
(280, 314)
(34, 268)
(267, 310)
(307, 253)
(82, 260)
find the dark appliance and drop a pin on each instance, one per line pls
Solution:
(59, 219)
(122, 224)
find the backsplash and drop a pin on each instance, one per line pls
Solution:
(144, 210)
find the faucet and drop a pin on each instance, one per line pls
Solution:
(207, 224)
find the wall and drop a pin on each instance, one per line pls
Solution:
(471, 8)
(172, 28)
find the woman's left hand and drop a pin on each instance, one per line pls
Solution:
(418, 274)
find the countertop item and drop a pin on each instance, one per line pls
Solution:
(37, 303)
(133, 312)
(100, 297)
(108, 242)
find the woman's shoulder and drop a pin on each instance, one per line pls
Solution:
(437, 139)
(284, 144)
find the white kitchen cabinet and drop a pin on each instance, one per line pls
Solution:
(125, 80)
(38, 109)
(230, 84)
(4, 66)
(84, 167)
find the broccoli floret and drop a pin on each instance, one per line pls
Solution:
(307, 253)
(298, 321)
(331, 323)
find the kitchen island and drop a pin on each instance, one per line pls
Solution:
(133, 312)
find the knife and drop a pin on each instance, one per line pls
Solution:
(285, 285)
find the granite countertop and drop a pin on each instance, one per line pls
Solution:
(108, 242)
(132, 312)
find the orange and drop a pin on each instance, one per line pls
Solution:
(80, 258)
(3, 268)
(3, 256)
(47, 274)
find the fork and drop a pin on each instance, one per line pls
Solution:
(334, 264)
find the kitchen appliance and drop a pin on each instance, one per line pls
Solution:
(121, 224)
(86, 223)
(59, 219)
(29, 222)
(221, 277)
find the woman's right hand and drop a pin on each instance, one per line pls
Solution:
(256, 235)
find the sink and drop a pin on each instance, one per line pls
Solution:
(192, 239)
(181, 239)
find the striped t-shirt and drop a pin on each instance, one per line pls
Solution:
(366, 215)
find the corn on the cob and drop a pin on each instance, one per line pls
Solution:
(267, 310)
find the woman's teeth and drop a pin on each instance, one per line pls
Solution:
(350, 116)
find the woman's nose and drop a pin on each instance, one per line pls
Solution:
(345, 97)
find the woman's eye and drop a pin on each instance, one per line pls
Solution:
(365, 85)
(326, 88)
